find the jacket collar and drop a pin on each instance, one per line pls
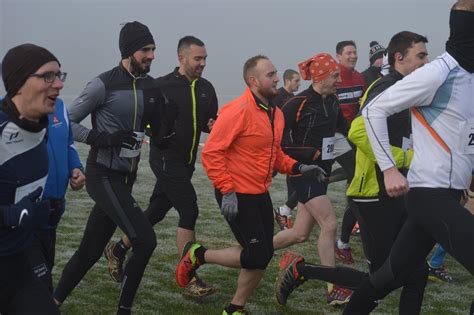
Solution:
(181, 76)
(10, 109)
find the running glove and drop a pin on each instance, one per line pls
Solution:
(28, 212)
(57, 209)
(116, 139)
(229, 207)
(313, 170)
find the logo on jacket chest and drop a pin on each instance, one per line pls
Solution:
(56, 122)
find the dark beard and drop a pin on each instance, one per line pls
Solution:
(269, 95)
(136, 68)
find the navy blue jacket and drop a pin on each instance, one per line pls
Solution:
(23, 168)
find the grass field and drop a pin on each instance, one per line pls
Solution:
(159, 294)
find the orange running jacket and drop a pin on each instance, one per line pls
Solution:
(242, 151)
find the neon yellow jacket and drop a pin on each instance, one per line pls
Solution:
(365, 184)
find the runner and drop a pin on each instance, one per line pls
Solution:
(311, 120)
(376, 53)
(440, 97)
(64, 167)
(380, 217)
(349, 92)
(249, 128)
(33, 80)
(291, 84)
(121, 102)
(173, 160)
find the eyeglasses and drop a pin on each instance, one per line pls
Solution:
(50, 76)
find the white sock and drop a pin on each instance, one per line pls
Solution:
(342, 245)
(284, 210)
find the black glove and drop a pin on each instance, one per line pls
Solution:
(116, 139)
(28, 212)
(57, 207)
(313, 170)
(229, 208)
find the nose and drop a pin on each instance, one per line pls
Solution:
(57, 84)
(151, 55)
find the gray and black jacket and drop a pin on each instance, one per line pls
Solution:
(116, 101)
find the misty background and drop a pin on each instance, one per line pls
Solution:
(83, 34)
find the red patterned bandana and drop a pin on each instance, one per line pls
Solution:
(317, 68)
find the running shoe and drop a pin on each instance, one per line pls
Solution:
(439, 274)
(286, 259)
(344, 254)
(114, 263)
(197, 288)
(187, 265)
(237, 312)
(288, 280)
(338, 296)
(283, 221)
(355, 229)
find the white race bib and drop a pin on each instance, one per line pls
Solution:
(407, 144)
(131, 151)
(466, 141)
(327, 149)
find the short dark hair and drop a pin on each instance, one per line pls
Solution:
(187, 41)
(250, 64)
(288, 74)
(401, 42)
(464, 5)
(341, 45)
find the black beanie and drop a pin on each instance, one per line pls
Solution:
(376, 51)
(133, 36)
(20, 62)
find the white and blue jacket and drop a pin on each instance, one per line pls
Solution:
(441, 97)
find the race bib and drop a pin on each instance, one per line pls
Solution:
(407, 144)
(327, 149)
(466, 142)
(131, 151)
(25, 190)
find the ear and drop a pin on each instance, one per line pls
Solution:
(181, 58)
(253, 81)
(398, 56)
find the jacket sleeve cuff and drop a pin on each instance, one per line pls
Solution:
(296, 168)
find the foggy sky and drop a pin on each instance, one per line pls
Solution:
(84, 34)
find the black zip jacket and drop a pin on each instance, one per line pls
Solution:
(308, 119)
(193, 104)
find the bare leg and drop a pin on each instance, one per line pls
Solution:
(182, 237)
(228, 257)
(321, 209)
(248, 281)
(298, 233)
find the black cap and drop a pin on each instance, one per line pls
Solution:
(376, 51)
(22, 61)
(133, 36)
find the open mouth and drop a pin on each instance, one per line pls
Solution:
(53, 97)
